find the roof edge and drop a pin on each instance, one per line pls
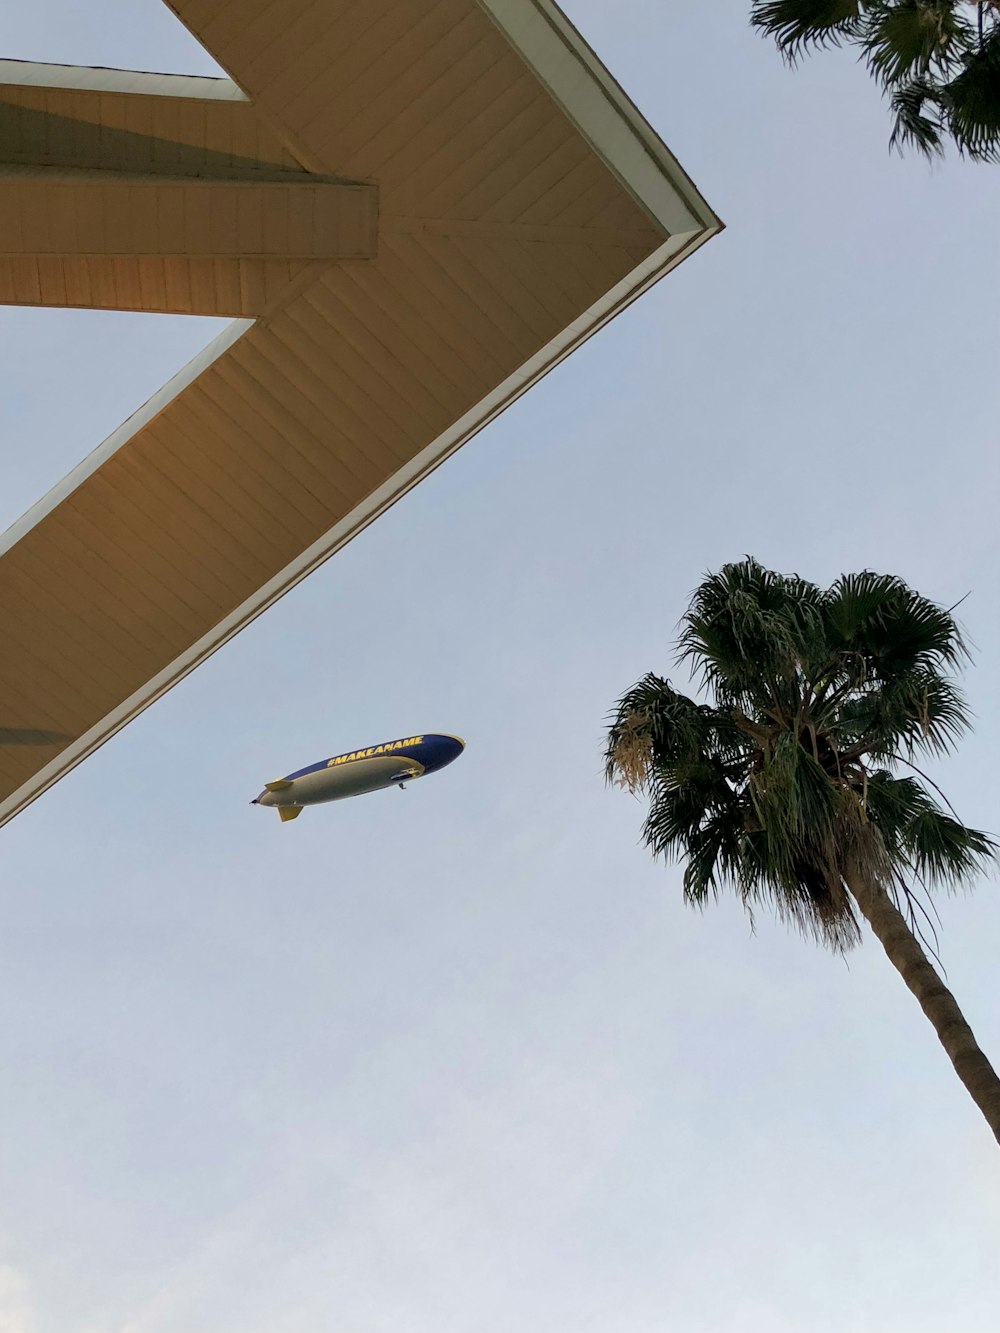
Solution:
(104, 79)
(603, 113)
(131, 426)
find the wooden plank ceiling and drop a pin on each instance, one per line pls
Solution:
(409, 216)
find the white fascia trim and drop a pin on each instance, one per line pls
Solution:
(99, 79)
(602, 112)
(220, 344)
(671, 253)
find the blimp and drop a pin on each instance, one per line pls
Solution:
(392, 764)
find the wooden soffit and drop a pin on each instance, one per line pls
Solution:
(412, 209)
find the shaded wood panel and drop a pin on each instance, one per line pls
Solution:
(175, 286)
(62, 211)
(137, 132)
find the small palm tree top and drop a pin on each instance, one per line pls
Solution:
(938, 61)
(786, 780)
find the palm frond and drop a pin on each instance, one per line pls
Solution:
(716, 855)
(912, 125)
(653, 721)
(972, 102)
(910, 38)
(748, 630)
(939, 69)
(921, 711)
(897, 629)
(797, 25)
(939, 848)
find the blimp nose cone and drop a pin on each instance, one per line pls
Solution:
(437, 751)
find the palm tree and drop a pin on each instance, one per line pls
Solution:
(795, 786)
(938, 61)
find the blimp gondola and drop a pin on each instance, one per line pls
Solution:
(392, 764)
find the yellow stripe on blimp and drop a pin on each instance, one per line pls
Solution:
(375, 750)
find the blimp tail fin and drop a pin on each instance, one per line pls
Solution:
(289, 812)
(279, 784)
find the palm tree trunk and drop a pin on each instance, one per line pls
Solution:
(936, 1000)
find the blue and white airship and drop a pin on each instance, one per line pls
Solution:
(390, 765)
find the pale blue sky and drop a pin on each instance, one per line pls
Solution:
(459, 1061)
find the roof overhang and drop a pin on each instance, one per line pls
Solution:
(412, 210)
